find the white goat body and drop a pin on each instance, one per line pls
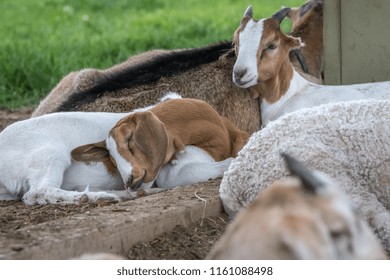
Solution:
(191, 166)
(349, 141)
(35, 158)
(303, 94)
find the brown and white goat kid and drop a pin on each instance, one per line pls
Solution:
(307, 217)
(36, 163)
(307, 24)
(263, 66)
(140, 144)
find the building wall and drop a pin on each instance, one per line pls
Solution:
(356, 41)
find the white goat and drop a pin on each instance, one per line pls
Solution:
(35, 160)
(349, 141)
(307, 217)
(263, 66)
(36, 154)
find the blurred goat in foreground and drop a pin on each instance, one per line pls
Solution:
(307, 217)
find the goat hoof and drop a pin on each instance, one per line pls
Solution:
(105, 200)
(141, 193)
(84, 199)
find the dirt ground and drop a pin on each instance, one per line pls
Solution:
(183, 243)
(7, 116)
(191, 242)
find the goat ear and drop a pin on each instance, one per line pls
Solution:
(95, 152)
(307, 7)
(295, 42)
(151, 137)
(308, 178)
(248, 12)
(281, 14)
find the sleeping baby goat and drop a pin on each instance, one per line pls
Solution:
(36, 162)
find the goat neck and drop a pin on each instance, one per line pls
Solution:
(272, 101)
(274, 88)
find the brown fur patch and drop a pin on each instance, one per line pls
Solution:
(211, 82)
(110, 167)
(309, 27)
(196, 123)
(238, 138)
(96, 152)
(151, 137)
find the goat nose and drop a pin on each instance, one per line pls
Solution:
(239, 73)
(128, 184)
(135, 184)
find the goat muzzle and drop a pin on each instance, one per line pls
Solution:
(135, 184)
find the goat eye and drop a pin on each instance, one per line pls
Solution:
(268, 47)
(271, 46)
(337, 234)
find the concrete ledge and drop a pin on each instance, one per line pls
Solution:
(115, 228)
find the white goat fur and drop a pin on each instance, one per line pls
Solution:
(273, 78)
(35, 160)
(194, 165)
(348, 141)
(304, 94)
(292, 221)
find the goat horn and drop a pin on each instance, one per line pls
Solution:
(301, 59)
(248, 12)
(281, 14)
(297, 168)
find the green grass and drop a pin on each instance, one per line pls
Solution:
(43, 40)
